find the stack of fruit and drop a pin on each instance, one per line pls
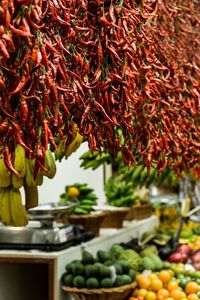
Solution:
(104, 271)
(27, 174)
(82, 194)
(164, 285)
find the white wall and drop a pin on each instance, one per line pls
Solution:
(69, 172)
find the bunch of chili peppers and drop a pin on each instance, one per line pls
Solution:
(126, 72)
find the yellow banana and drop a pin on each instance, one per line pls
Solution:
(5, 207)
(31, 196)
(185, 207)
(17, 182)
(18, 212)
(39, 179)
(50, 164)
(19, 160)
(5, 181)
(3, 170)
(29, 179)
(60, 153)
(75, 144)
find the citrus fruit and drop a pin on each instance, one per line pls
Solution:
(164, 276)
(152, 276)
(192, 287)
(172, 285)
(156, 285)
(144, 283)
(177, 295)
(162, 294)
(150, 296)
(142, 292)
(192, 297)
(73, 192)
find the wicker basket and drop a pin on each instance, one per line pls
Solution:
(139, 212)
(115, 218)
(91, 222)
(119, 293)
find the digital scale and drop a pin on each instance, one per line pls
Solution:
(43, 232)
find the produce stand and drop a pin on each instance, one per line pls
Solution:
(55, 263)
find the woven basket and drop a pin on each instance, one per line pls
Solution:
(119, 293)
(139, 212)
(115, 218)
(91, 222)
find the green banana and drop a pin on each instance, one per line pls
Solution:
(19, 160)
(50, 164)
(31, 196)
(5, 207)
(39, 179)
(136, 173)
(5, 181)
(18, 212)
(3, 169)
(29, 178)
(17, 182)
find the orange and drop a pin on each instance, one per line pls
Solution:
(144, 283)
(156, 285)
(152, 277)
(150, 296)
(192, 297)
(139, 277)
(164, 276)
(162, 294)
(192, 287)
(142, 292)
(172, 285)
(177, 294)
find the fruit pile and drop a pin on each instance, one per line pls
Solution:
(164, 285)
(82, 194)
(12, 211)
(100, 272)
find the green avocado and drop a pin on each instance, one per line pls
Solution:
(67, 280)
(87, 258)
(79, 282)
(106, 283)
(78, 269)
(103, 256)
(91, 270)
(104, 272)
(92, 283)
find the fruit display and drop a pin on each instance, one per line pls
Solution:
(82, 194)
(102, 271)
(165, 285)
(27, 175)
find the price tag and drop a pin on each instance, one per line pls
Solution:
(62, 235)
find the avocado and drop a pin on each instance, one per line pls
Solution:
(109, 262)
(87, 258)
(103, 256)
(92, 283)
(104, 272)
(68, 268)
(79, 282)
(91, 270)
(122, 280)
(118, 269)
(106, 283)
(125, 266)
(78, 269)
(67, 279)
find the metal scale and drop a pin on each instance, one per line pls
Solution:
(43, 232)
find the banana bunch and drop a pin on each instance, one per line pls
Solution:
(82, 194)
(10, 184)
(94, 159)
(12, 211)
(66, 148)
(120, 193)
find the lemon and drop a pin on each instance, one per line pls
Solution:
(73, 192)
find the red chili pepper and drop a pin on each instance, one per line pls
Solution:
(20, 85)
(18, 136)
(51, 138)
(20, 32)
(8, 162)
(23, 111)
(4, 126)
(3, 50)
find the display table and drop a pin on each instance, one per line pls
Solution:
(36, 275)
